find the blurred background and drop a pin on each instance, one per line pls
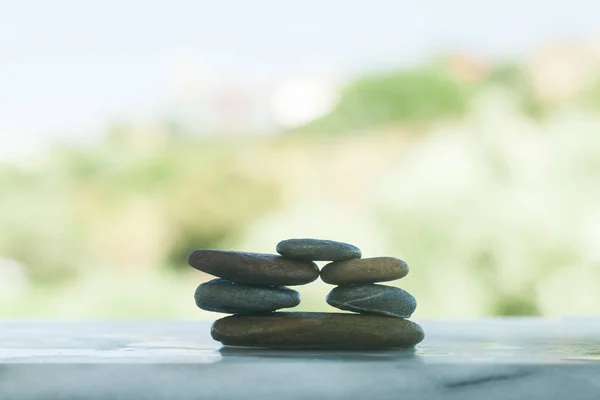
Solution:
(462, 137)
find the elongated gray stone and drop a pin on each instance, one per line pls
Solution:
(317, 331)
(364, 270)
(373, 299)
(254, 268)
(224, 296)
(317, 250)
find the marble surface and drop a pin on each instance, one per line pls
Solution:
(496, 359)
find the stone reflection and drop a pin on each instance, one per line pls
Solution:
(234, 353)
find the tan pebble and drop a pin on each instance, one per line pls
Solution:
(364, 270)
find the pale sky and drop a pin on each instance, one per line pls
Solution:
(68, 67)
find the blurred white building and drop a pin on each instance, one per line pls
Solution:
(299, 101)
(206, 103)
(13, 281)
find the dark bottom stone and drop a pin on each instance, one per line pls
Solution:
(317, 331)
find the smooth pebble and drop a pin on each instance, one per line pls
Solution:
(254, 268)
(317, 331)
(364, 270)
(373, 299)
(224, 296)
(317, 250)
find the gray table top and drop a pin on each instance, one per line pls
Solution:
(495, 358)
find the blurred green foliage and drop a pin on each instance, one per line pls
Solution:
(58, 219)
(512, 76)
(494, 204)
(416, 95)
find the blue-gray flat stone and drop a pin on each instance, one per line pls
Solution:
(373, 299)
(223, 296)
(317, 250)
(254, 268)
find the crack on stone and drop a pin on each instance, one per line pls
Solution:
(369, 311)
(363, 299)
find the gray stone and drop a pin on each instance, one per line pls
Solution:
(373, 299)
(254, 268)
(364, 270)
(318, 331)
(224, 296)
(317, 250)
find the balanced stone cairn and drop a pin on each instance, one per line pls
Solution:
(252, 286)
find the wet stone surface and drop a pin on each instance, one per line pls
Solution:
(493, 359)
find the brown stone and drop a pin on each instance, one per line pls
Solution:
(364, 270)
(254, 268)
(317, 331)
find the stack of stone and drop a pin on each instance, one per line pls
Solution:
(252, 286)
(249, 283)
(357, 289)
